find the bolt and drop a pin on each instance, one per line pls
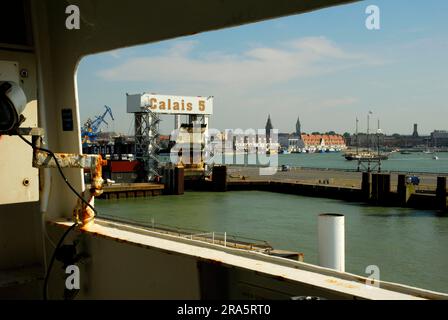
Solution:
(26, 182)
(24, 73)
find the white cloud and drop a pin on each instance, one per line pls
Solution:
(250, 84)
(257, 67)
(115, 53)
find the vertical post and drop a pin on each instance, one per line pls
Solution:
(219, 178)
(206, 140)
(404, 190)
(368, 132)
(441, 193)
(385, 188)
(213, 237)
(375, 187)
(177, 121)
(225, 239)
(366, 185)
(179, 180)
(331, 234)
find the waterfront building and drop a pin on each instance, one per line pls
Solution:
(439, 138)
(283, 140)
(300, 142)
(372, 140)
(323, 142)
(295, 143)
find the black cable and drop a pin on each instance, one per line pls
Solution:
(53, 257)
(61, 240)
(51, 153)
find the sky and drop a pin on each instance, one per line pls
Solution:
(325, 67)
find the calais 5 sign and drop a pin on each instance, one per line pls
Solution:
(169, 104)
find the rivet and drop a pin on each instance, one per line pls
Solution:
(24, 73)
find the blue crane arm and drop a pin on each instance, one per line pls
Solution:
(91, 128)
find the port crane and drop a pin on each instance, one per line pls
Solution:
(91, 128)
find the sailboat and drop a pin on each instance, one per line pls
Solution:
(365, 155)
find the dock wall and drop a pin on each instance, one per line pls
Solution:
(375, 189)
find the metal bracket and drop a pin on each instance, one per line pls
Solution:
(94, 162)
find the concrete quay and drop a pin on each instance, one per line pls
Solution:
(383, 189)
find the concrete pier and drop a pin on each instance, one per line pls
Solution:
(391, 189)
(131, 190)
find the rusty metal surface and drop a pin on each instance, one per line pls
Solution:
(82, 213)
(31, 131)
(43, 159)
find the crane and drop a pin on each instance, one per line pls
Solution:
(91, 128)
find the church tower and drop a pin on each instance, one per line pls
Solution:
(298, 127)
(268, 128)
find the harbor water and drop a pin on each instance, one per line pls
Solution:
(408, 246)
(414, 162)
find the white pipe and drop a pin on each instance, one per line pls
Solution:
(331, 234)
(176, 121)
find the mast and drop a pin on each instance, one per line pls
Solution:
(368, 131)
(357, 138)
(378, 137)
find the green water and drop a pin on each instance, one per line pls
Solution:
(414, 162)
(409, 246)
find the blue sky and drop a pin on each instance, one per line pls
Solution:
(324, 66)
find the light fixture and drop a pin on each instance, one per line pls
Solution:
(12, 104)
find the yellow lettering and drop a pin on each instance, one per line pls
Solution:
(189, 106)
(162, 105)
(175, 105)
(201, 105)
(153, 103)
(169, 104)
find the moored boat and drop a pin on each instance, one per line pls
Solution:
(365, 156)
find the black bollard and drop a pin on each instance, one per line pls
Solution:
(441, 193)
(219, 178)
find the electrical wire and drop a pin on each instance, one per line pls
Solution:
(51, 153)
(61, 240)
(53, 257)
